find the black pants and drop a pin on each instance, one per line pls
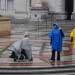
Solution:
(23, 52)
(13, 55)
(53, 56)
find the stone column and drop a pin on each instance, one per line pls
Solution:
(56, 6)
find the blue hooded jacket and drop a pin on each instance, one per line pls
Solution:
(56, 37)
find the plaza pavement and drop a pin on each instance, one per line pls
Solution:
(40, 59)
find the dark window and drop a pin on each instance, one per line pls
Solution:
(35, 15)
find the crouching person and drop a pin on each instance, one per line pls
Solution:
(21, 49)
(15, 48)
(26, 49)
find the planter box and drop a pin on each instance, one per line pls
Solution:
(5, 26)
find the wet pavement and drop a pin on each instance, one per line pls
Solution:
(40, 59)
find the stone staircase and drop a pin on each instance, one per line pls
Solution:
(67, 26)
(39, 37)
(62, 70)
(18, 32)
(39, 34)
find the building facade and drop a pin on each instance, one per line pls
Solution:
(22, 9)
(15, 8)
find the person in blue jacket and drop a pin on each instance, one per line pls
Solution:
(56, 35)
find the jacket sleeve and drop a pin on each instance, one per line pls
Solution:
(50, 36)
(71, 39)
(62, 33)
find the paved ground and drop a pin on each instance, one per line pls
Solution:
(39, 60)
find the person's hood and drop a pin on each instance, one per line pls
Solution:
(26, 34)
(56, 25)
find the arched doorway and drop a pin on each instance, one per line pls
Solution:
(69, 8)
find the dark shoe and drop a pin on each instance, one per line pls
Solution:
(15, 59)
(11, 56)
(52, 62)
(21, 57)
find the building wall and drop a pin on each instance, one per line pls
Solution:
(37, 14)
(56, 6)
(22, 10)
(7, 8)
(74, 7)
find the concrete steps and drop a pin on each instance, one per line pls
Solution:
(67, 26)
(8, 66)
(39, 70)
(39, 35)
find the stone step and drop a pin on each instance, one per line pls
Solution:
(18, 31)
(49, 48)
(46, 41)
(35, 48)
(40, 70)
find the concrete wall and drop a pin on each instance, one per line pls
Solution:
(74, 7)
(56, 6)
(4, 10)
(36, 14)
(21, 8)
